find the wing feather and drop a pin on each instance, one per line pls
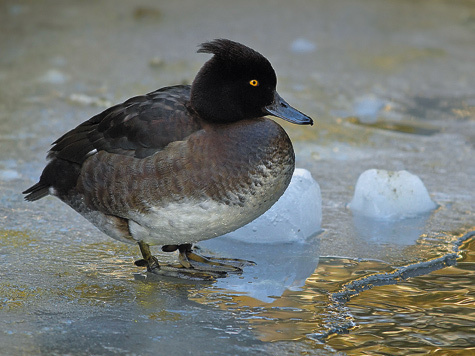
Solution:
(138, 127)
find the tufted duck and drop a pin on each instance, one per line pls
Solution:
(183, 163)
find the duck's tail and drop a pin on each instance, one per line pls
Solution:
(59, 174)
(37, 191)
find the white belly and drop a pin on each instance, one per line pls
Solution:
(193, 220)
(189, 222)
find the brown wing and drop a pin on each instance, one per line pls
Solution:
(138, 127)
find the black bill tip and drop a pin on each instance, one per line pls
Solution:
(280, 108)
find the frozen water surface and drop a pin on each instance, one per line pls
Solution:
(391, 86)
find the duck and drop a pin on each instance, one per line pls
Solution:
(180, 164)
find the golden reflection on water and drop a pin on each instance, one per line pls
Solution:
(430, 313)
(422, 314)
(408, 128)
(296, 313)
(15, 238)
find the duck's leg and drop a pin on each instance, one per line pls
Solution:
(148, 260)
(189, 260)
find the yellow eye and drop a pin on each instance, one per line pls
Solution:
(254, 83)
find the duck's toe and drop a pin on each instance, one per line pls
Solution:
(191, 274)
(151, 263)
(190, 259)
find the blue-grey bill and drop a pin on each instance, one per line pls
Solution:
(280, 108)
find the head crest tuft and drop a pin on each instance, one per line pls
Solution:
(227, 49)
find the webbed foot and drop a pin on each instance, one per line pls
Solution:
(192, 260)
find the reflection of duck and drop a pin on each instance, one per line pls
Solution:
(279, 267)
(181, 164)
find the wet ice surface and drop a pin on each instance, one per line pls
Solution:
(389, 89)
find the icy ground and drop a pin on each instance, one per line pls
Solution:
(390, 85)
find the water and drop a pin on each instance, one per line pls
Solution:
(391, 86)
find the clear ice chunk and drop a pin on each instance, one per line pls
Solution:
(388, 195)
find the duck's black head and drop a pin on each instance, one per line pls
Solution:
(238, 83)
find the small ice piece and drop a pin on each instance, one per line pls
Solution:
(296, 216)
(9, 175)
(16, 9)
(381, 194)
(54, 76)
(84, 99)
(367, 108)
(302, 45)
